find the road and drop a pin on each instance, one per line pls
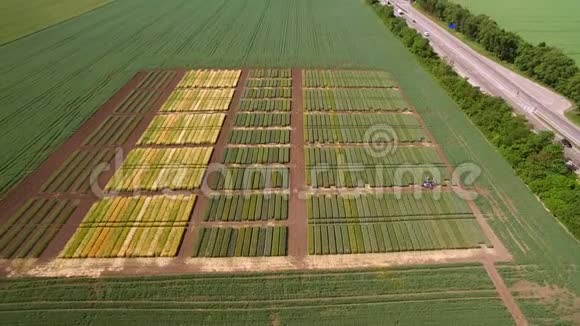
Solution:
(543, 107)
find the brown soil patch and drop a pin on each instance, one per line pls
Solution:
(565, 304)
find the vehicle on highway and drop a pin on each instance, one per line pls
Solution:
(426, 34)
(400, 12)
(566, 142)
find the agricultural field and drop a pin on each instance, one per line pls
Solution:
(19, 19)
(559, 25)
(498, 259)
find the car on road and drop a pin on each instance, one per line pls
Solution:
(566, 142)
(426, 34)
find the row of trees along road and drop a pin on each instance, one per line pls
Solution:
(536, 158)
(541, 62)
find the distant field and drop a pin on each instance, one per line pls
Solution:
(554, 22)
(20, 18)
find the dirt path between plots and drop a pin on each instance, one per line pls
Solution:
(297, 219)
(219, 148)
(504, 293)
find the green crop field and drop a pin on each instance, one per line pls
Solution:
(21, 18)
(555, 23)
(54, 80)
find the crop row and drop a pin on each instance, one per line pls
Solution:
(138, 101)
(269, 82)
(242, 242)
(113, 131)
(140, 211)
(107, 242)
(256, 155)
(354, 99)
(266, 105)
(184, 100)
(156, 79)
(263, 136)
(270, 73)
(385, 206)
(346, 78)
(32, 227)
(395, 236)
(352, 135)
(262, 120)
(249, 178)
(156, 178)
(254, 207)
(180, 136)
(162, 157)
(74, 175)
(339, 120)
(380, 176)
(338, 156)
(210, 79)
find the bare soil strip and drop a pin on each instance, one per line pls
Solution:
(219, 149)
(297, 219)
(99, 267)
(504, 293)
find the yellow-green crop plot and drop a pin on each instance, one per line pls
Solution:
(210, 79)
(161, 168)
(187, 100)
(132, 227)
(182, 129)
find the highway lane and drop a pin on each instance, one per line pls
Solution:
(543, 107)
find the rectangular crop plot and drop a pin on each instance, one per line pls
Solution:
(341, 120)
(253, 207)
(161, 168)
(249, 178)
(327, 239)
(27, 233)
(210, 79)
(270, 73)
(113, 131)
(257, 155)
(138, 101)
(269, 93)
(335, 156)
(191, 100)
(132, 227)
(140, 211)
(268, 83)
(386, 207)
(183, 129)
(346, 78)
(156, 80)
(353, 135)
(374, 176)
(262, 120)
(260, 136)
(74, 175)
(265, 105)
(355, 99)
(241, 242)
